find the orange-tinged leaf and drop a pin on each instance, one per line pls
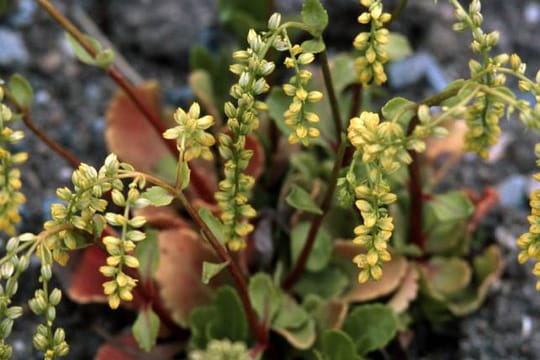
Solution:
(182, 253)
(161, 218)
(407, 292)
(129, 134)
(85, 285)
(86, 280)
(393, 273)
(451, 144)
(125, 347)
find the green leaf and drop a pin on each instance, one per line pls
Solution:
(240, 15)
(215, 225)
(230, 321)
(315, 16)
(105, 58)
(302, 337)
(165, 168)
(201, 83)
(314, 45)
(185, 174)
(326, 313)
(200, 319)
(147, 252)
(400, 110)
(342, 66)
(452, 206)
(328, 283)
(447, 276)
(21, 90)
(321, 251)
(81, 52)
(398, 47)
(158, 196)
(212, 269)
(145, 329)
(201, 59)
(290, 315)
(371, 327)
(265, 297)
(278, 103)
(300, 199)
(337, 345)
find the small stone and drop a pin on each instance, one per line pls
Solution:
(14, 52)
(531, 13)
(24, 14)
(512, 192)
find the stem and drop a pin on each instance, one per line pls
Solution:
(73, 160)
(329, 194)
(317, 220)
(130, 90)
(334, 105)
(416, 235)
(258, 329)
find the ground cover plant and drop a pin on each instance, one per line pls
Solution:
(323, 237)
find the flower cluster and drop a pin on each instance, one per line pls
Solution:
(235, 188)
(120, 248)
(382, 148)
(192, 139)
(46, 339)
(483, 115)
(13, 265)
(82, 208)
(222, 350)
(297, 117)
(529, 242)
(370, 66)
(10, 184)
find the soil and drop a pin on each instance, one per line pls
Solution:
(155, 37)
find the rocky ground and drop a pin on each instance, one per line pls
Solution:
(155, 37)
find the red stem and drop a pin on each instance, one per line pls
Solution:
(196, 179)
(317, 221)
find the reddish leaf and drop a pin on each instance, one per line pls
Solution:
(161, 218)
(125, 348)
(85, 285)
(393, 273)
(182, 253)
(129, 134)
(482, 205)
(86, 280)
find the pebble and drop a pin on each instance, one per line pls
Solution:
(24, 14)
(411, 70)
(531, 13)
(512, 192)
(14, 51)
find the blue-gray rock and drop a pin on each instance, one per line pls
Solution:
(411, 70)
(23, 14)
(13, 51)
(513, 192)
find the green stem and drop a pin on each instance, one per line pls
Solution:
(334, 105)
